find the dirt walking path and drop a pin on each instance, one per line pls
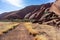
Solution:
(19, 33)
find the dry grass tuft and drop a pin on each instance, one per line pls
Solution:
(42, 32)
(5, 26)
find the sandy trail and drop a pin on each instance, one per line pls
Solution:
(19, 33)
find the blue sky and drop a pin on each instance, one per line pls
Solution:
(11, 5)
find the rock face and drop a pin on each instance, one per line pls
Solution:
(37, 13)
(56, 7)
(30, 12)
(33, 12)
(44, 14)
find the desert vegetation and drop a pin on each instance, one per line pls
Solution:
(38, 31)
(17, 20)
(5, 26)
(41, 32)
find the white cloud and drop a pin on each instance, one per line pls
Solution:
(51, 0)
(1, 11)
(17, 3)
